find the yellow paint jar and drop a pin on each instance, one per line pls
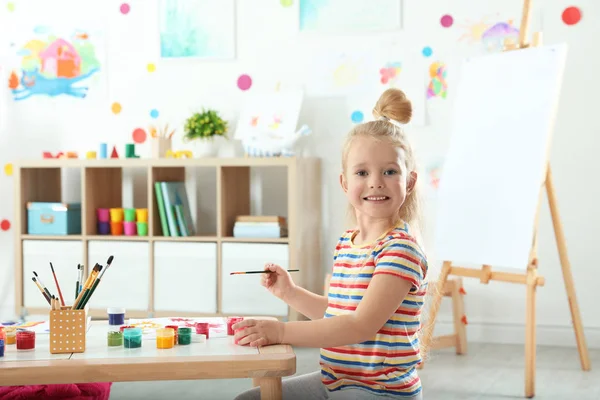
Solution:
(11, 334)
(165, 338)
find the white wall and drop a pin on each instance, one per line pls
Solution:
(271, 50)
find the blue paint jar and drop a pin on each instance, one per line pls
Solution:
(116, 316)
(1, 347)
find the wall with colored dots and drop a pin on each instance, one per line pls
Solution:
(342, 74)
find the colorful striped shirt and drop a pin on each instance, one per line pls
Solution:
(386, 363)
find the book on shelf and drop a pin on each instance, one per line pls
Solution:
(259, 226)
(174, 209)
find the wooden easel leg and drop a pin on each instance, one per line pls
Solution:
(567, 275)
(458, 311)
(530, 344)
(435, 306)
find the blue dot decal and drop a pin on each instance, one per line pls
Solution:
(357, 117)
(427, 51)
(154, 113)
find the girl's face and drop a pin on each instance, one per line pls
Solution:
(376, 180)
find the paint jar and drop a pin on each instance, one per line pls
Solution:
(129, 214)
(175, 329)
(102, 215)
(165, 338)
(116, 316)
(116, 228)
(184, 335)
(142, 214)
(114, 338)
(132, 338)
(1, 347)
(116, 214)
(129, 228)
(232, 321)
(122, 328)
(11, 334)
(237, 341)
(2, 334)
(142, 228)
(25, 340)
(202, 328)
(103, 228)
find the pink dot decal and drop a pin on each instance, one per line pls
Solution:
(125, 8)
(244, 82)
(447, 21)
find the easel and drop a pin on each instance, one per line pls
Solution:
(531, 278)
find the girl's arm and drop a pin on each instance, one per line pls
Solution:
(381, 299)
(306, 302)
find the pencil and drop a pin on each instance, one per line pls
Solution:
(259, 272)
(62, 301)
(78, 279)
(96, 283)
(41, 290)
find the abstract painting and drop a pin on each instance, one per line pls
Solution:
(350, 16)
(197, 29)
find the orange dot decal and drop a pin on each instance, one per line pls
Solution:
(139, 135)
(116, 108)
(5, 225)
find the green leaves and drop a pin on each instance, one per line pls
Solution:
(205, 124)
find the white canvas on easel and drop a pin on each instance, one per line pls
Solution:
(489, 188)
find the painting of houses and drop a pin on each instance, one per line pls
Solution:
(60, 59)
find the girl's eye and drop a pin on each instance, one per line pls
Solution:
(390, 172)
(361, 173)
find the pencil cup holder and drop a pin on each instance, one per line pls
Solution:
(103, 215)
(142, 228)
(103, 228)
(129, 214)
(160, 146)
(116, 215)
(129, 228)
(67, 330)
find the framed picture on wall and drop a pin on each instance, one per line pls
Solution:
(198, 29)
(350, 16)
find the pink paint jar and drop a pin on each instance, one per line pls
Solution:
(103, 214)
(130, 228)
(230, 322)
(202, 328)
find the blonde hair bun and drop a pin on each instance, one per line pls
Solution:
(393, 104)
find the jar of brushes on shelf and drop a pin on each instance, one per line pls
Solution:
(203, 129)
(161, 140)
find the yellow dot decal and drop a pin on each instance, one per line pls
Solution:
(8, 169)
(116, 108)
(151, 67)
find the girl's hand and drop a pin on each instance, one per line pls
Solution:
(279, 282)
(258, 332)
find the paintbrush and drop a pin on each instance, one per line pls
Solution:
(62, 301)
(42, 283)
(96, 283)
(41, 290)
(88, 284)
(259, 272)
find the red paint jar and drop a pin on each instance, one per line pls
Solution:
(231, 321)
(2, 334)
(175, 328)
(202, 328)
(125, 327)
(25, 340)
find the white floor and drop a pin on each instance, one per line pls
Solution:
(486, 372)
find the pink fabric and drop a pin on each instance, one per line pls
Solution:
(80, 391)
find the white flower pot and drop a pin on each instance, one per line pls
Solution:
(205, 148)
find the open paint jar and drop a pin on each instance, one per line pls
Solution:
(116, 316)
(165, 338)
(132, 338)
(175, 328)
(184, 336)
(114, 338)
(11, 335)
(202, 328)
(232, 321)
(25, 340)
(1, 347)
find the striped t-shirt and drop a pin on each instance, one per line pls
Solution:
(386, 363)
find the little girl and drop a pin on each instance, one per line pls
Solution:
(368, 326)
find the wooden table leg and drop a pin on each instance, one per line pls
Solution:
(270, 388)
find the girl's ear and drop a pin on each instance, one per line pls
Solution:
(343, 183)
(412, 181)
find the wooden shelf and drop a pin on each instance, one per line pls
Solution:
(144, 281)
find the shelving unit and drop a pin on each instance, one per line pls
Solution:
(154, 275)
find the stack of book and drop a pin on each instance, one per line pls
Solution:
(260, 226)
(174, 209)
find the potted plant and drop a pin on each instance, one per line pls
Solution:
(203, 128)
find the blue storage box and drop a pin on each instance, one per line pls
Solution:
(53, 218)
